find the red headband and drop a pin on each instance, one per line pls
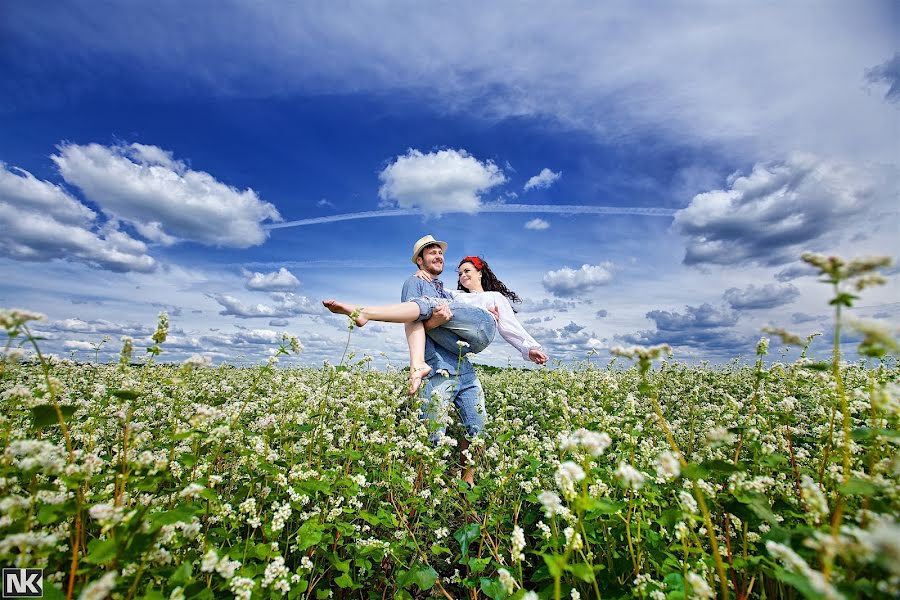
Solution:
(475, 261)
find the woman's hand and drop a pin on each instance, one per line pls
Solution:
(537, 357)
(424, 275)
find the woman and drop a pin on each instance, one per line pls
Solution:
(479, 287)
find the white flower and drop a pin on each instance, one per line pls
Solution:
(699, 587)
(593, 443)
(191, 491)
(668, 466)
(566, 476)
(816, 503)
(551, 503)
(629, 476)
(462, 344)
(210, 560)
(100, 589)
(506, 580)
(518, 544)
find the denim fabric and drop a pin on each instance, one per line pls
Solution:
(437, 357)
(469, 324)
(467, 396)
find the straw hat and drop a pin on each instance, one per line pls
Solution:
(426, 241)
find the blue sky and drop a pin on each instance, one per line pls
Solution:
(638, 175)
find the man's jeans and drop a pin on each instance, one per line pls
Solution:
(466, 394)
(469, 324)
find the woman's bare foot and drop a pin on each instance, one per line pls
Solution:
(469, 475)
(415, 377)
(343, 308)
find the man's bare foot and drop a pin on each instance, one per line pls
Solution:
(343, 308)
(415, 377)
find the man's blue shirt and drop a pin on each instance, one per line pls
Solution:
(438, 358)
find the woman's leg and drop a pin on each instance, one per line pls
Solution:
(470, 324)
(418, 368)
(404, 312)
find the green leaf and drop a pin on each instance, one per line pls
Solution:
(477, 565)
(493, 589)
(126, 394)
(181, 513)
(843, 299)
(101, 551)
(182, 574)
(602, 506)
(868, 433)
(555, 564)
(309, 534)
(693, 471)
(818, 366)
(775, 459)
(344, 580)
(722, 466)
(422, 576)
(465, 535)
(43, 415)
(369, 517)
(582, 571)
(859, 487)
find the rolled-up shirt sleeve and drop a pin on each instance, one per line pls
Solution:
(511, 329)
(413, 290)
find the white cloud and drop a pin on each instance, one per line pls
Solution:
(568, 282)
(537, 224)
(437, 182)
(765, 296)
(78, 345)
(41, 222)
(767, 75)
(288, 305)
(771, 215)
(280, 280)
(162, 198)
(544, 179)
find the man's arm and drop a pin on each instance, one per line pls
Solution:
(439, 316)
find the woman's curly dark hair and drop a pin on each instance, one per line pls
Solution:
(489, 280)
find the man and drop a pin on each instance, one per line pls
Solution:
(452, 377)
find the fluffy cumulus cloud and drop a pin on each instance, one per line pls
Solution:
(280, 280)
(765, 296)
(568, 282)
(41, 221)
(771, 215)
(438, 182)
(544, 179)
(887, 73)
(163, 199)
(571, 341)
(537, 224)
(795, 271)
(545, 305)
(704, 329)
(286, 305)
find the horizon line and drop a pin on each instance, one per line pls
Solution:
(565, 209)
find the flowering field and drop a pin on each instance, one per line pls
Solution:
(644, 479)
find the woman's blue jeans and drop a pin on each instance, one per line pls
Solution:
(470, 324)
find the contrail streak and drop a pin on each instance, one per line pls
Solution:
(561, 209)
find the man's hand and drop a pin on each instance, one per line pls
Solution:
(495, 312)
(538, 357)
(439, 316)
(424, 275)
